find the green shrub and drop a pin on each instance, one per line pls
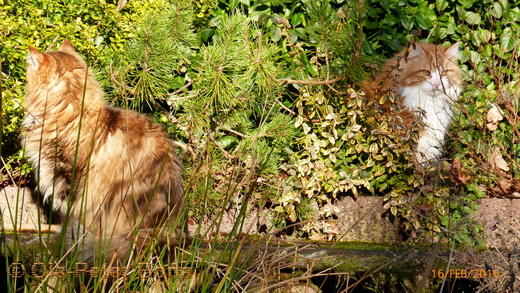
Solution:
(484, 138)
(433, 202)
(97, 29)
(489, 33)
(220, 100)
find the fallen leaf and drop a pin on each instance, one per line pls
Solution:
(460, 176)
(494, 115)
(504, 185)
(463, 178)
(331, 229)
(456, 165)
(497, 162)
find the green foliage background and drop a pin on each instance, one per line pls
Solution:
(263, 99)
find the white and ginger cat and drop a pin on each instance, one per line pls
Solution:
(426, 81)
(113, 169)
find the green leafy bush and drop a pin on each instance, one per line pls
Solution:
(484, 138)
(431, 201)
(98, 30)
(487, 126)
(347, 148)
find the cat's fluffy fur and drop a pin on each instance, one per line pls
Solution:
(426, 80)
(113, 168)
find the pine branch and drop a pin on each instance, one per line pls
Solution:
(359, 43)
(229, 129)
(285, 81)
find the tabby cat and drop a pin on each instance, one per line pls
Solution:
(112, 169)
(426, 80)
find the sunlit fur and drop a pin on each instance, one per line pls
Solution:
(113, 168)
(427, 82)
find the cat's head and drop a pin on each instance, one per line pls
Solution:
(430, 68)
(43, 67)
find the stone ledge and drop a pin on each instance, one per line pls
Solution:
(362, 220)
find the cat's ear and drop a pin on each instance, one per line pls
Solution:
(35, 57)
(67, 47)
(452, 52)
(415, 51)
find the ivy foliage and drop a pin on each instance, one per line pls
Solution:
(485, 131)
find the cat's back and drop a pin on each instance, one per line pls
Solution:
(132, 155)
(131, 131)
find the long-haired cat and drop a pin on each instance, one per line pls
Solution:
(113, 171)
(426, 81)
